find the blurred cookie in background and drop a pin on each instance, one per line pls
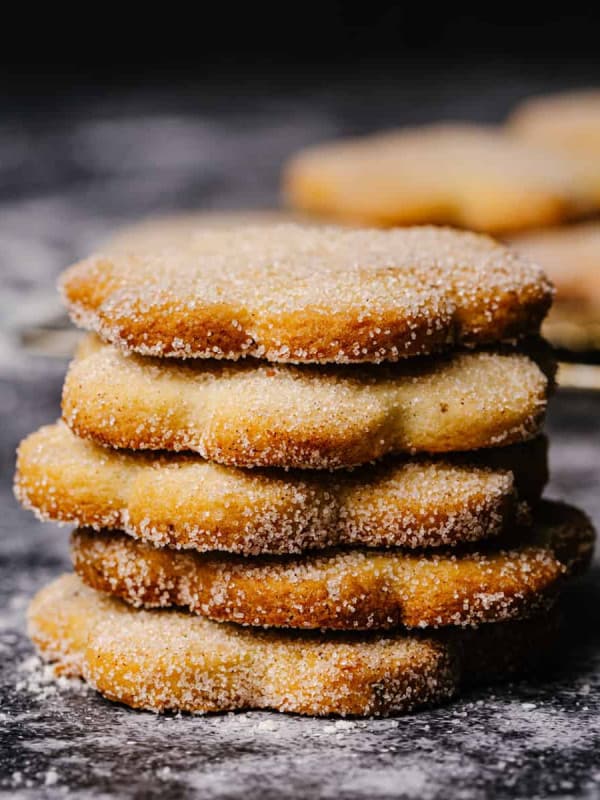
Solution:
(571, 258)
(578, 376)
(464, 175)
(569, 124)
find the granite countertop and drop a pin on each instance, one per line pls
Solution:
(64, 186)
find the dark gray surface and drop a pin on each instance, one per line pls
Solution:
(64, 183)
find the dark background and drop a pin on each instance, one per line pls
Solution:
(239, 36)
(51, 60)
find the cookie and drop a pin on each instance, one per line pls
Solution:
(159, 660)
(185, 502)
(572, 328)
(571, 257)
(250, 414)
(568, 124)
(292, 293)
(464, 175)
(345, 589)
(579, 376)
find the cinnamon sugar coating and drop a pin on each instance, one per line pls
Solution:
(185, 502)
(293, 293)
(346, 589)
(471, 176)
(248, 414)
(169, 660)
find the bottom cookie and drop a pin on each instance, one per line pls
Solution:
(170, 660)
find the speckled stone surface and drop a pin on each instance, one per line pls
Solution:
(65, 185)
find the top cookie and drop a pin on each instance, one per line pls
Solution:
(464, 175)
(568, 123)
(317, 294)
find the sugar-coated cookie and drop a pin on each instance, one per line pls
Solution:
(186, 502)
(294, 293)
(465, 175)
(248, 414)
(346, 589)
(169, 660)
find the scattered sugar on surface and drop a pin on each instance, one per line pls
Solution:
(51, 778)
(39, 679)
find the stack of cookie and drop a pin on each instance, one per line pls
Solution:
(332, 434)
